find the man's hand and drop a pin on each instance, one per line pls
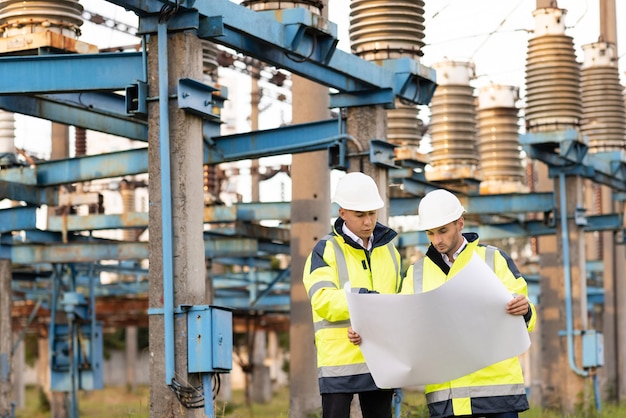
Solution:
(354, 337)
(519, 305)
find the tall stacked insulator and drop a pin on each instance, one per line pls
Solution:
(381, 30)
(19, 17)
(604, 116)
(454, 154)
(127, 192)
(211, 184)
(553, 100)
(209, 60)
(498, 144)
(80, 141)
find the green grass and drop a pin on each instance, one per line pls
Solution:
(117, 402)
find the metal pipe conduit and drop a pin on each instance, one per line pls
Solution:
(166, 205)
(567, 278)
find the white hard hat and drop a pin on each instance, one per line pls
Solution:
(438, 208)
(358, 191)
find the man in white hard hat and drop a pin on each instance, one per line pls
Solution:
(497, 391)
(359, 250)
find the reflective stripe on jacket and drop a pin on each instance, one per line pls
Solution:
(335, 261)
(496, 388)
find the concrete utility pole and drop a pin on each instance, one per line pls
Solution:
(560, 264)
(613, 374)
(60, 149)
(186, 153)
(364, 124)
(310, 221)
(6, 374)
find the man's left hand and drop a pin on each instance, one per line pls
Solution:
(354, 337)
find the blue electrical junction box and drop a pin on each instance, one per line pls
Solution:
(210, 339)
(79, 351)
(593, 348)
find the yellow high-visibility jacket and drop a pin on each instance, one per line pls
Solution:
(335, 260)
(496, 388)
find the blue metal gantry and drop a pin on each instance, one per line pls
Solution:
(294, 40)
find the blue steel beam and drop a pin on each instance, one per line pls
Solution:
(17, 218)
(30, 236)
(517, 230)
(485, 204)
(572, 157)
(276, 303)
(280, 211)
(76, 253)
(264, 36)
(31, 195)
(92, 167)
(96, 251)
(212, 214)
(260, 278)
(230, 247)
(64, 73)
(85, 110)
(259, 263)
(290, 139)
(98, 222)
(287, 140)
(260, 36)
(509, 203)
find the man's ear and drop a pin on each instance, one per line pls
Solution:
(342, 213)
(461, 221)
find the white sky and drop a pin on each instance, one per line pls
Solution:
(494, 33)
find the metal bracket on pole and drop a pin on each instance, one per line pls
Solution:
(337, 156)
(137, 99)
(308, 34)
(382, 153)
(200, 99)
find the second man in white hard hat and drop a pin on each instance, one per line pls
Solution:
(496, 391)
(358, 251)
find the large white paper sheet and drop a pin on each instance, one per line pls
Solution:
(433, 337)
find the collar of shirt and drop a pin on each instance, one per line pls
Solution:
(456, 254)
(356, 238)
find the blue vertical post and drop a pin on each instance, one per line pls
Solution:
(166, 205)
(209, 410)
(73, 327)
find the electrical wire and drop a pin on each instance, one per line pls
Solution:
(192, 397)
(493, 32)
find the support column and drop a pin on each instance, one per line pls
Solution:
(6, 374)
(131, 358)
(620, 322)
(562, 385)
(273, 353)
(60, 137)
(19, 364)
(42, 364)
(310, 221)
(261, 385)
(614, 318)
(364, 124)
(186, 154)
